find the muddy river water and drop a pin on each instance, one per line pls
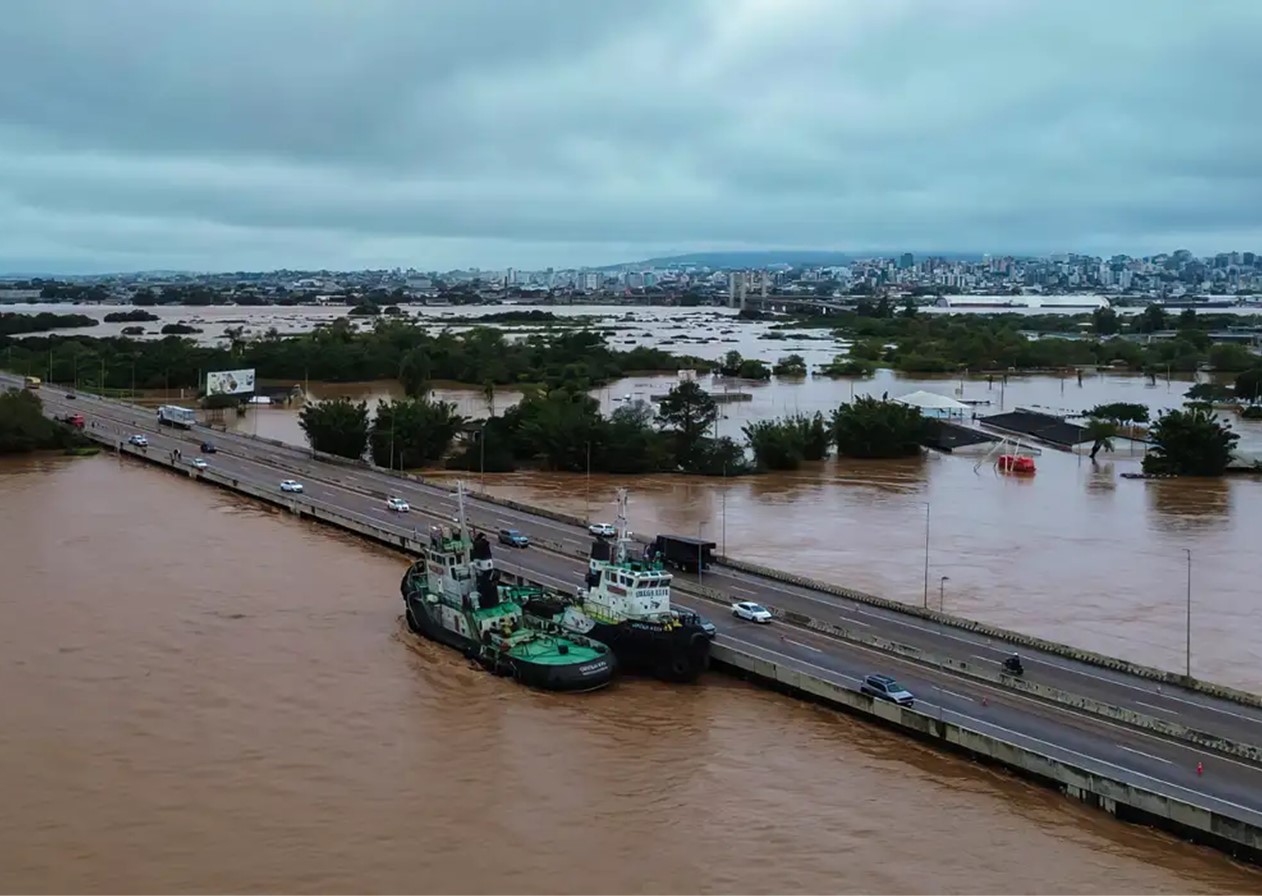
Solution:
(202, 695)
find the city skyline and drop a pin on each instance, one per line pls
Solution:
(138, 135)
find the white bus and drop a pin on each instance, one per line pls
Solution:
(176, 416)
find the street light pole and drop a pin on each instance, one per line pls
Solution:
(700, 563)
(482, 456)
(723, 514)
(587, 491)
(1188, 651)
(926, 605)
(942, 592)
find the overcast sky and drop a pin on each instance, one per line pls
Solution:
(255, 134)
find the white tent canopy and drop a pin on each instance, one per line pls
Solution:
(930, 401)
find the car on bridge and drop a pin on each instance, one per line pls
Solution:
(752, 612)
(291, 485)
(209, 448)
(513, 538)
(139, 441)
(883, 687)
(397, 504)
(199, 464)
(602, 530)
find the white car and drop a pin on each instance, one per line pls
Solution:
(199, 464)
(291, 485)
(751, 611)
(398, 505)
(602, 530)
(139, 441)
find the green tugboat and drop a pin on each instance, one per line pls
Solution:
(453, 595)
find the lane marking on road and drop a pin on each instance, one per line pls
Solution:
(833, 674)
(849, 621)
(1146, 755)
(894, 618)
(961, 696)
(1157, 708)
(1172, 786)
(745, 590)
(803, 646)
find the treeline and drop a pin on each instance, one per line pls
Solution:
(24, 428)
(391, 350)
(913, 342)
(563, 430)
(12, 323)
(558, 429)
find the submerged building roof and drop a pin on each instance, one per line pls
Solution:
(1044, 427)
(945, 436)
(931, 401)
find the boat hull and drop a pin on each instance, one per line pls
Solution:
(677, 655)
(573, 677)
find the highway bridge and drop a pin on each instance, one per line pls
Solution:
(1207, 778)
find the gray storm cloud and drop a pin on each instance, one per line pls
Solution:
(145, 134)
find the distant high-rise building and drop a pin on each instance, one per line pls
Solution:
(908, 260)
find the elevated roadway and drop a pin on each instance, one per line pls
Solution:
(1140, 758)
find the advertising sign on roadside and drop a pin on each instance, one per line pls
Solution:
(229, 382)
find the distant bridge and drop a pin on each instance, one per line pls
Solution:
(785, 303)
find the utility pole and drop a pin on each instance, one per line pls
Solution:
(926, 604)
(1188, 651)
(942, 593)
(723, 500)
(482, 456)
(587, 494)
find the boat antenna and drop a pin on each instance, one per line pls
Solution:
(624, 534)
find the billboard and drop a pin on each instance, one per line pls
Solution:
(229, 382)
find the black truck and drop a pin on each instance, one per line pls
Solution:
(683, 552)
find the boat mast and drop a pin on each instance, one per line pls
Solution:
(464, 528)
(624, 534)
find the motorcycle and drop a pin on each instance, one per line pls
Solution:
(1013, 667)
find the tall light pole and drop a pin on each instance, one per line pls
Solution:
(723, 502)
(482, 456)
(926, 604)
(587, 491)
(942, 592)
(1188, 650)
(700, 559)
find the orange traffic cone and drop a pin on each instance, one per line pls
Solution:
(1200, 769)
(985, 701)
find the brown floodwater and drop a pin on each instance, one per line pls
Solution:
(1075, 553)
(206, 696)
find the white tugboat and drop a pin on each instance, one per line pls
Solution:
(624, 602)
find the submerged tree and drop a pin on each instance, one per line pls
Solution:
(338, 426)
(1190, 442)
(413, 432)
(775, 444)
(790, 366)
(1101, 433)
(688, 413)
(871, 428)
